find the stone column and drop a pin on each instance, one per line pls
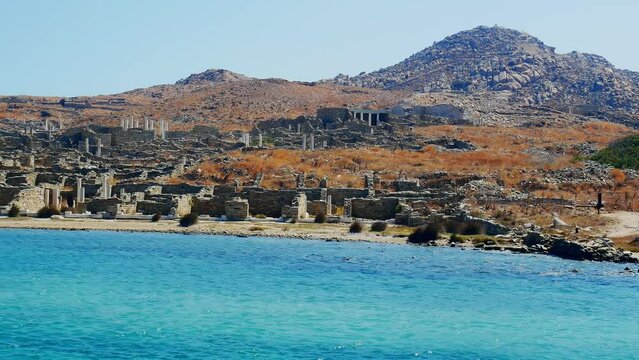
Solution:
(152, 128)
(31, 161)
(46, 124)
(324, 144)
(259, 140)
(162, 130)
(299, 128)
(47, 197)
(86, 145)
(312, 142)
(122, 123)
(98, 151)
(79, 191)
(55, 198)
(106, 187)
(370, 119)
(304, 142)
(49, 135)
(329, 205)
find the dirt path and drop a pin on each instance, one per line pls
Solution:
(626, 224)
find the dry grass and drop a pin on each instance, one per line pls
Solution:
(500, 154)
(541, 216)
(627, 243)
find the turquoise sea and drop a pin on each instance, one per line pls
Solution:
(67, 295)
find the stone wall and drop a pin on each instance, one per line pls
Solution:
(182, 204)
(104, 205)
(405, 185)
(211, 206)
(150, 207)
(339, 194)
(270, 202)
(29, 199)
(121, 136)
(331, 115)
(376, 209)
(181, 189)
(313, 194)
(237, 209)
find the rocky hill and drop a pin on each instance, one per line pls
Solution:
(499, 59)
(212, 77)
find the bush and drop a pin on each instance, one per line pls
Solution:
(425, 233)
(47, 212)
(14, 211)
(320, 218)
(189, 219)
(379, 226)
(156, 217)
(454, 238)
(356, 227)
(473, 229)
(622, 154)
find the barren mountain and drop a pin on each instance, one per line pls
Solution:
(499, 59)
(214, 97)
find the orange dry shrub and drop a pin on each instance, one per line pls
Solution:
(618, 176)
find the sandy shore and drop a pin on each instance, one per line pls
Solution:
(301, 230)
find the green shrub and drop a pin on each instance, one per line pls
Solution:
(379, 226)
(356, 227)
(320, 218)
(622, 154)
(454, 238)
(189, 219)
(425, 233)
(156, 217)
(14, 211)
(47, 212)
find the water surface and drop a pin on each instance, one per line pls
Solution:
(66, 294)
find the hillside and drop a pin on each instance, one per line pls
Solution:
(499, 59)
(216, 97)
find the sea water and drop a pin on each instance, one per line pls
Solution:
(145, 295)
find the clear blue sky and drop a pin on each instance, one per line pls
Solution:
(80, 47)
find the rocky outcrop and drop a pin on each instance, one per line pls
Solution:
(212, 77)
(594, 249)
(499, 59)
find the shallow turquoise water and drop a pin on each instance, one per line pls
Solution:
(121, 295)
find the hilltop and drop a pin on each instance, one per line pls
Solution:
(500, 59)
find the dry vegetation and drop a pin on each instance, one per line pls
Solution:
(500, 153)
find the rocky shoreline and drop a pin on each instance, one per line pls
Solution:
(532, 242)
